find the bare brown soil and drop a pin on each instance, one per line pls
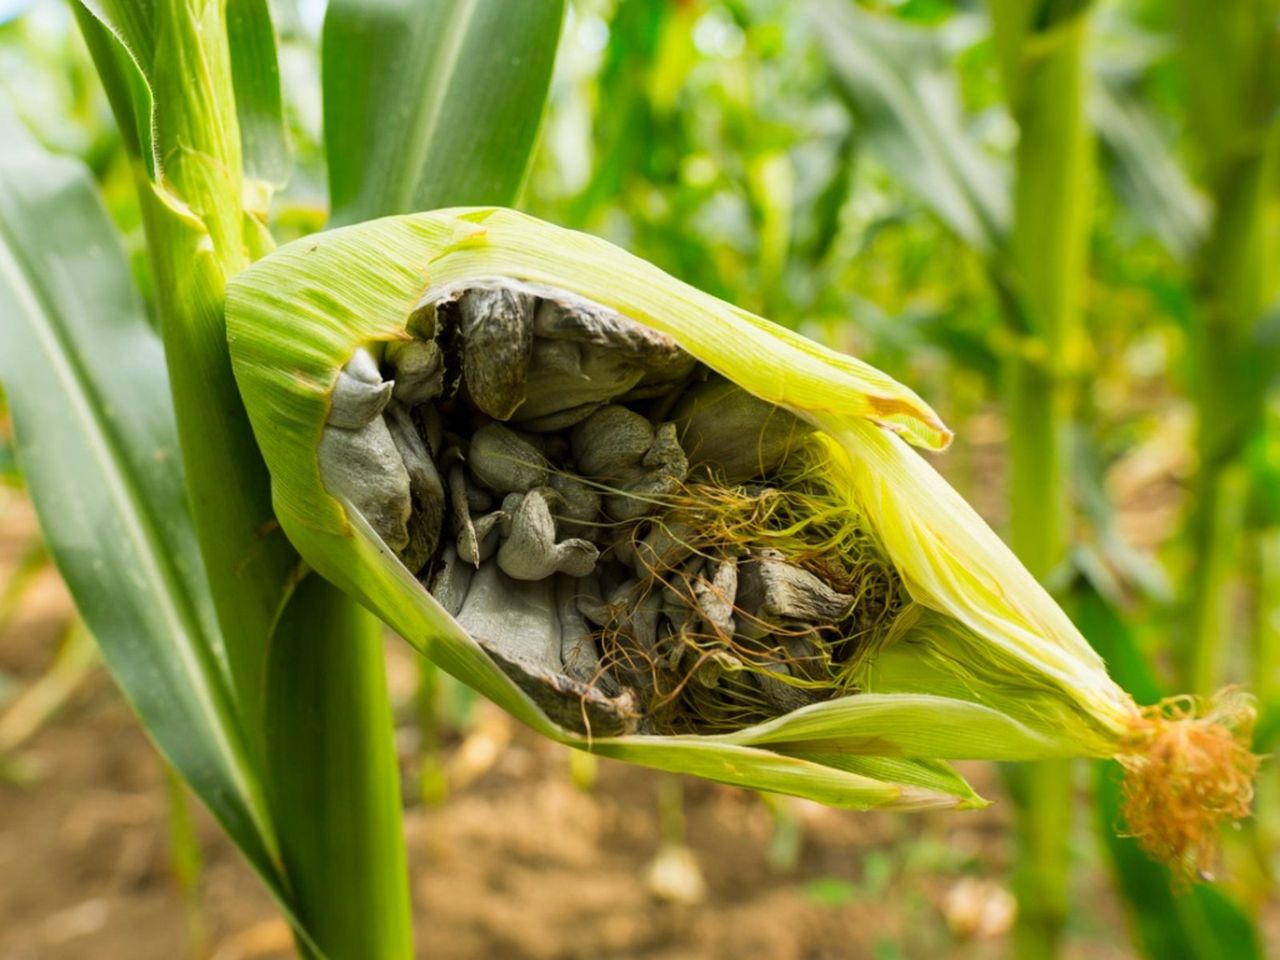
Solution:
(518, 861)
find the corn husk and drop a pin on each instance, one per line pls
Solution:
(985, 666)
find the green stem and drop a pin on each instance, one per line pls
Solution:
(1041, 791)
(1267, 689)
(1218, 535)
(196, 237)
(327, 757)
(1267, 646)
(334, 780)
(1042, 47)
(1234, 289)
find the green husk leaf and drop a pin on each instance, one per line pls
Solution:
(980, 663)
(362, 284)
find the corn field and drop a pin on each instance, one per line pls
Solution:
(638, 478)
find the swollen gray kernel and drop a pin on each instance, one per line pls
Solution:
(715, 598)
(775, 588)
(419, 371)
(451, 581)
(517, 617)
(478, 499)
(634, 614)
(530, 551)
(467, 541)
(497, 337)
(564, 316)
(359, 394)
(738, 436)
(585, 355)
(430, 427)
(577, 641)
(485, 536)
(659, 475)
(505, 462)
(364, 468)
(578, 507)
(518, 624)
(424, 484)
(610, 440)
(567, 381)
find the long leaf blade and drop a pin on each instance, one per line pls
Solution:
(1145, 172)
(88, 393)
(907, 107)
(432, 103)
(255, 74)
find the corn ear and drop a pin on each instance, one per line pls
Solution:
(983, 665)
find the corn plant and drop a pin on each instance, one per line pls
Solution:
(648, 523)
(1029, 224)
(194, 595)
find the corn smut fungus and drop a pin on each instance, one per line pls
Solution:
(645, 547)
(640, 544)
(653, 525)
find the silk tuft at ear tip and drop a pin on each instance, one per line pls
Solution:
(1188, 769)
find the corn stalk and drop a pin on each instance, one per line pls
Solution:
(1042, 47)
(1231, 53)
(899, 86)
(190, 162)
(274, 708)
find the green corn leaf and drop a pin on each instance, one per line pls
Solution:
(429, 103)
(88, 393)
(121, 38)
(896, 79)
(166, 65)
(1145, 172)
(259, 104)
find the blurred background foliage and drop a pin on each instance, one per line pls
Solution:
(852, 170)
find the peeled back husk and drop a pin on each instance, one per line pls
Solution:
(980, 663)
